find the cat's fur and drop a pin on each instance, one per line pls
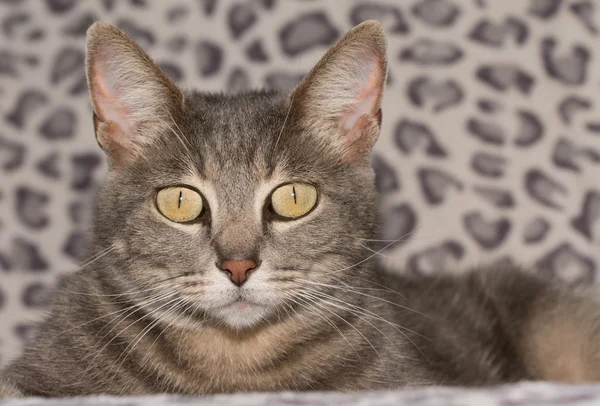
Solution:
(153, 313)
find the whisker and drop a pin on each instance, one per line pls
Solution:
(179, 302)
(378, 253)
(344, 320)
(111, 313)
(357, 314)
(117, 335)
(312, 309)
(399, 328)
(367, 295)
(284, 121)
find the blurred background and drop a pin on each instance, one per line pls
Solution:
(490, 149)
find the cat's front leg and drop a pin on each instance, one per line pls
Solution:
(562, 339)
(8, 390)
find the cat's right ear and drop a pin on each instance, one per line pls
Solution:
(131, 97)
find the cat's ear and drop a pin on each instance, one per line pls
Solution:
(340, 98)
(131, 97)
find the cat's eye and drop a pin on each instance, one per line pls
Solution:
(179, 204)
(293, 200)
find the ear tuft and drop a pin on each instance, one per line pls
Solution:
(129, 92)
(341, 97)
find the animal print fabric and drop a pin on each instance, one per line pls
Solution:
(490, 149)
(525, 394)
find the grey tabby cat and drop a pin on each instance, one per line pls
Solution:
(230, 253)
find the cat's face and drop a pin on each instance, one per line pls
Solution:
(233, 209)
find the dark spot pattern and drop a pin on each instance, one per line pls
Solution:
(30, 206)
(59, 125)
(391, 16)
(75, 245)
(531, 129)
(25, 331)
(306, 32)
(79, 27)
(485, 131)
(27, 104)
(140, 34)
(492, 34)
(489, 234)
(385, 176)
(426, 93)
(585, 10)
(587, 223)
(430, 52)
(439, 258)
(498, 197)
(409, 135)
(241, 17)
(69, 62)
(544, 9)
(60, 6)
(256, 51)
(488, 165)
(543, 189)
(283, 81)
(568, 156)
(536, 230)
(12, 154)
(83, 168)
(572, 105)
(570, 69)
(25, 256)
(172, 70)
(567, 263)
(238, 81)
(489, 106)
(403, 221)
(437, 13)
(505, 76)
(436, 184)
(177, 43)
(177, 13)
(209, 57)
(49, 166)
(36, 295)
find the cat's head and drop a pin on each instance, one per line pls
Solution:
(232, 209)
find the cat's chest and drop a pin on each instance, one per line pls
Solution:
(218, 361)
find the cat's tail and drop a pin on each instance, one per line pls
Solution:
(8, 390)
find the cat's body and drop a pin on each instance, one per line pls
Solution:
(478, 329)
(233, 245)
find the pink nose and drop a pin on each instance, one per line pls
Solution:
(238, 270)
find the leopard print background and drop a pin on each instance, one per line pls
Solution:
(490, 148)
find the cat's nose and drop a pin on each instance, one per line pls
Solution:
(238, 270)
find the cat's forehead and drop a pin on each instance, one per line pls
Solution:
(231, 121)
(239, 136)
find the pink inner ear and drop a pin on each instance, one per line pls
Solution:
(108, 106)
(368, 93)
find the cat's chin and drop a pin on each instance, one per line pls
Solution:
(242, 314)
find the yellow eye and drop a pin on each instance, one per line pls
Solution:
(293, 200)
(179, 204)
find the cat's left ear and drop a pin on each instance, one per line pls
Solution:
(340, 99)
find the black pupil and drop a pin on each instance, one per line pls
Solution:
(180, 199)
(294, 194)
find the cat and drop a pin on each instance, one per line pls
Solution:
(231, 242)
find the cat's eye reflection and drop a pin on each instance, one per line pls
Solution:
(179, 204)
(293, 200)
